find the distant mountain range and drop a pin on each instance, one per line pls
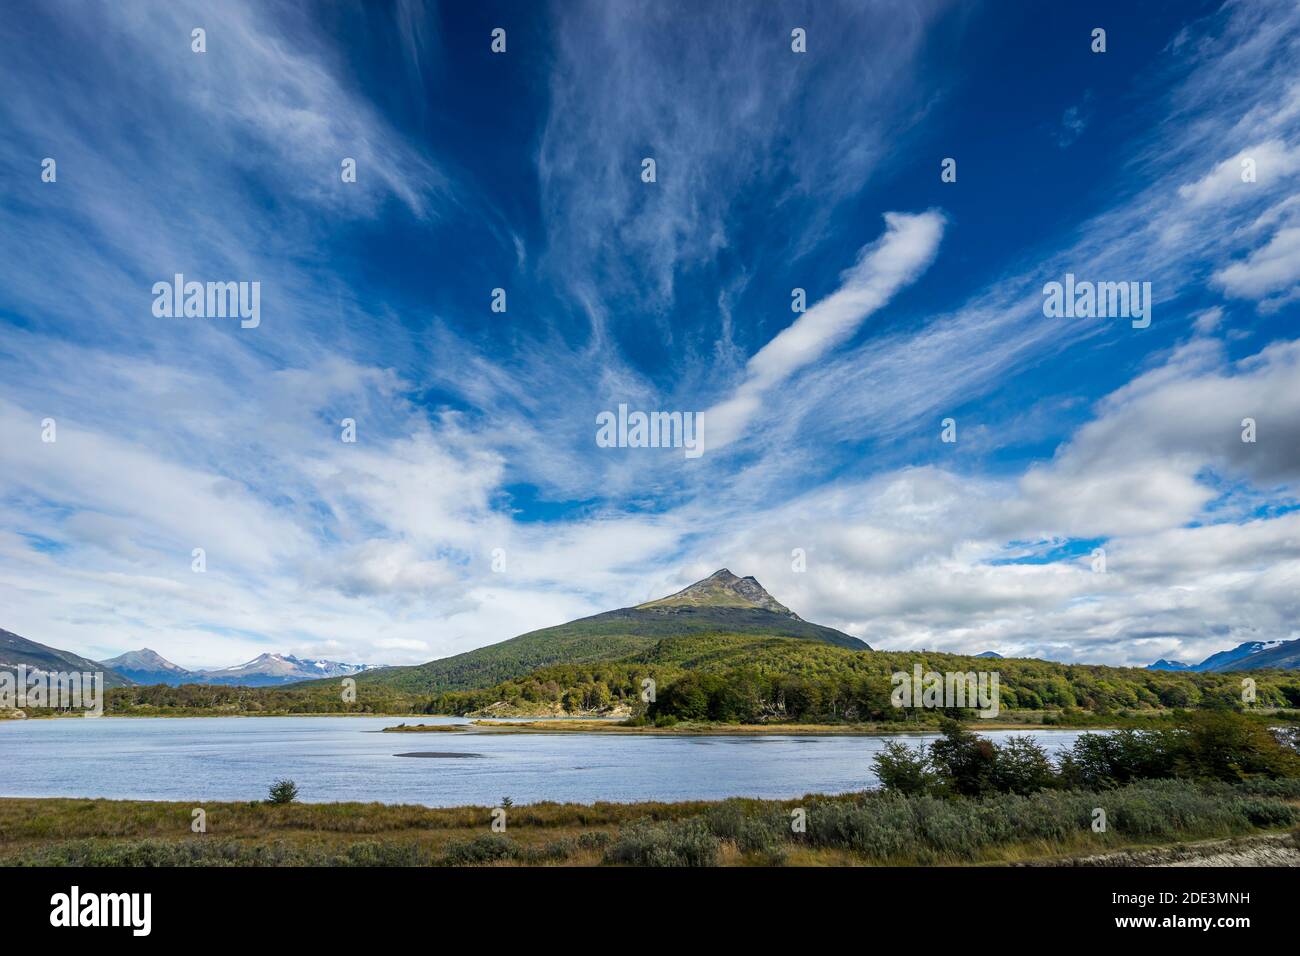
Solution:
(149, 667)
(1251, 656)
(722, 603)
(268, 669)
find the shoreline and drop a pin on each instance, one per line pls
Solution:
(599, 725)
(735, 730)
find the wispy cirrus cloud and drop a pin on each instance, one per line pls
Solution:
(895, 260)
(476, 430)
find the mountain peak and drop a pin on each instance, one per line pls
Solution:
(145, 659)
(722, 589)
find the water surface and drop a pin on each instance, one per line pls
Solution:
(342, 758)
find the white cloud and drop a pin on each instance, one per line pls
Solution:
(1274, 163)
(1274, 267)
(905, 250)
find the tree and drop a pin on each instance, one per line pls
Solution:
(964, 761)
(1022, 766)
(283, 791)
(1226, 745)
(903, 770)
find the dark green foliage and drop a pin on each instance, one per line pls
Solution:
(753, 679)
(904, 770)
(1213, 745)
(1022, 766)
(1223, 745)
(1098, 761)
(732, 678)
(613, 635)
(283, 791)
(964, 761)
(202, 699)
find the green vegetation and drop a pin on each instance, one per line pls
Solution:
(745, 679)
(1218, 746)
(611, 636)
(283, 791)
(856, 829)
(736, 679)
(962, 800)
(201, 700)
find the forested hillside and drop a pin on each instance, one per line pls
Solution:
(747, 679)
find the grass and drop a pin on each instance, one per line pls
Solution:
(852, 829)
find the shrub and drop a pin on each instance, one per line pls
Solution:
(904, 770)
(963, 760)
(488, 848)
(678, 843)
(1021, 766)
(283, 791)
(594, 840)
(761, 833)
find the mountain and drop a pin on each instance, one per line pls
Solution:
(990, 654)
(1250, 656)
(720, 604)
(149, 667)
(15, 650)
(1255, 655)
(269, 669)
(721, 589)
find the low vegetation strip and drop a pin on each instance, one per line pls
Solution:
(867, 828)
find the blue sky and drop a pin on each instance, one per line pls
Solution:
(775, 170)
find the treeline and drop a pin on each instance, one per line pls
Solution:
(1220, 746)
(754, 680)
(574, 688)
(204, 699)
(748, 679)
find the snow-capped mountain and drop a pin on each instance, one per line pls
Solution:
(149, 667)
(1253, 655)
(267, 669)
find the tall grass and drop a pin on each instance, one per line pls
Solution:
(872, 827)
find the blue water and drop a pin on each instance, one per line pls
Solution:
(342, 758)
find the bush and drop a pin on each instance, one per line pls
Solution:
(904, 770)
(761, 833)
(594, 840)
(678, 843)
(963, 760)
(1021, 766)
(488, 848)
(283, 791)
